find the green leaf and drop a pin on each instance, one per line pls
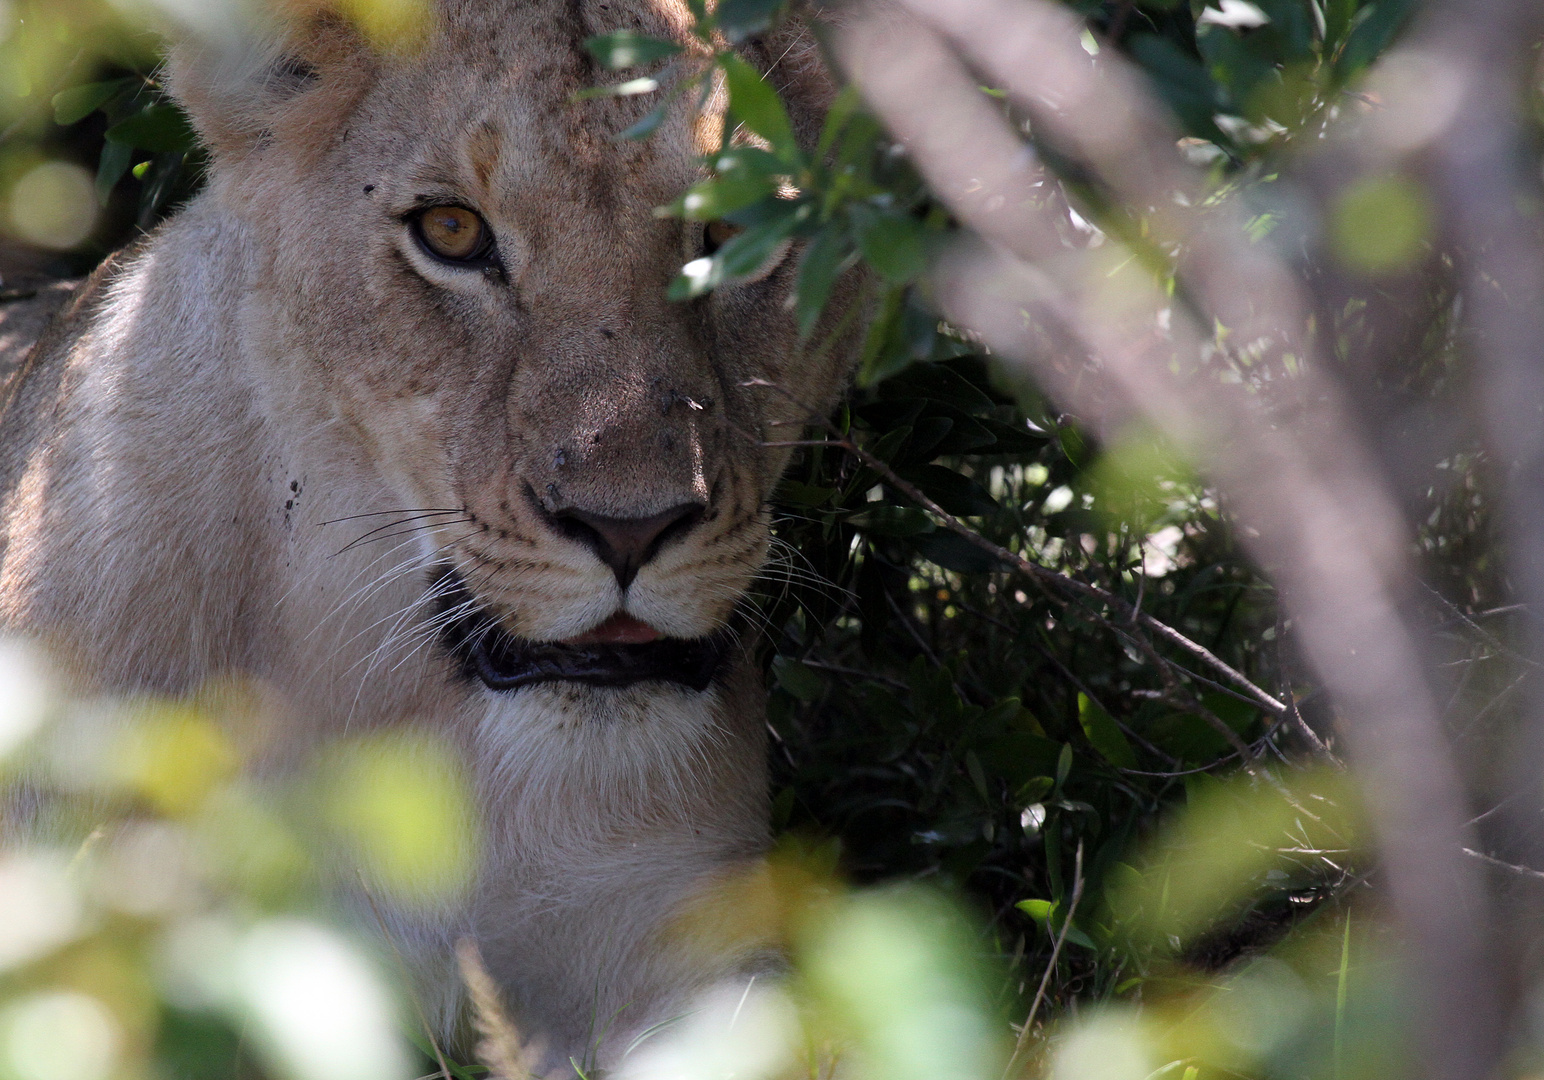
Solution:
(939, 382)
(75, 104)
(877, 361)
(749, 251)
(953, 552)
(828, 256)
(757, 106)
(1063, 765)
(837, 115)
(711, 200)
(114, 162)
(890, 443)
(978, 776)
(1104, 734)
(648, 125)
(798, 679)
(739, 19)
(1039, 910)
(892, 521)
(1012, 438)
(891, 243)
(956, 493)
(749, 161)
(162, 128)
(806, 495)
(742, 256)
(622, 49)
(1371, 35)
(1052, 917)
(1034, 789)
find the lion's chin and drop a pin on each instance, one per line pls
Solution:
(620, 652)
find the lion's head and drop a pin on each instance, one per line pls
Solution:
(467, 273)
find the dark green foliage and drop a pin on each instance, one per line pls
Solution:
(146, 135)
(942, 716)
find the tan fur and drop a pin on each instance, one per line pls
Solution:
(281, 355)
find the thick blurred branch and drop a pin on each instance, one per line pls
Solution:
(1107, 339)
(1491, 200)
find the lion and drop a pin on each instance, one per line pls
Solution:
(396, 419)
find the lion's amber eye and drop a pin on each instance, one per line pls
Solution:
(454, 233)
(717, 234)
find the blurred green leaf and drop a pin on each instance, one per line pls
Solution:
(648, 125)
(403, 804)
(826, 258)
(626, 48)
(1380, 225)
(891, 242)
(739, 19)
(74, 105)
(896, 968)
(113, 164)
(1373, 28)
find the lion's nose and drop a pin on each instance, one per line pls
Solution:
(626, 544)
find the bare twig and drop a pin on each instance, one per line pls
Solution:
(1524, 871)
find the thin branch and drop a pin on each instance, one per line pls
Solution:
(1525, 871)
(1067, 586)
(1050, 967)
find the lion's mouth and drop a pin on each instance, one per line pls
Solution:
(620, 652)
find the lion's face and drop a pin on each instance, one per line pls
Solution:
(470, 277)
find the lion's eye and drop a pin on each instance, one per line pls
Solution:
(717, 234)
(454, 233)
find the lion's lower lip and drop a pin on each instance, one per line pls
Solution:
(504, 662)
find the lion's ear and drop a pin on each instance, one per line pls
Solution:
(295, 86)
